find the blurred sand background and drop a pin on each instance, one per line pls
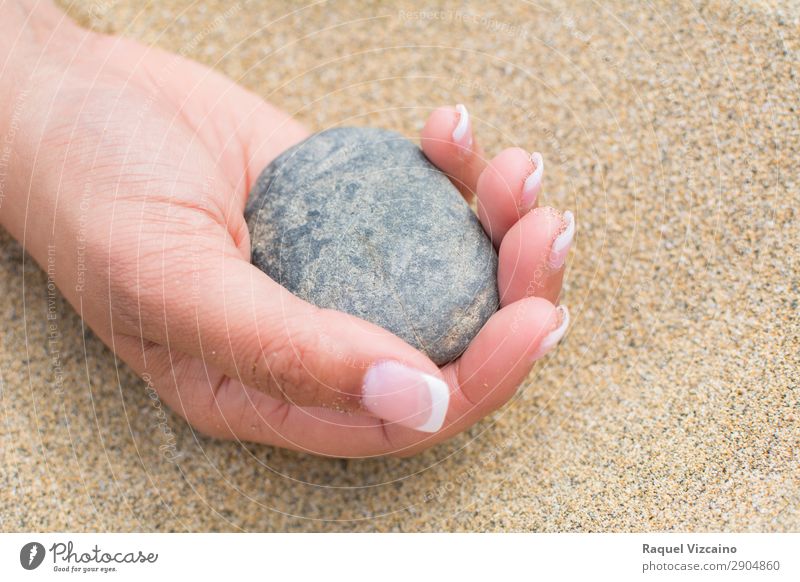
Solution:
(670, 129)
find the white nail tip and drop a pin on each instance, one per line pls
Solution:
(555, 336)
(536, 175)
(440, 401)
(463, 124)
(564, 239)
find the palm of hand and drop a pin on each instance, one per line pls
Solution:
(172, 171)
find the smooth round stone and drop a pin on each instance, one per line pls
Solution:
(358, 220)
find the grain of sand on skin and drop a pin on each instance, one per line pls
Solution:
(671, 132)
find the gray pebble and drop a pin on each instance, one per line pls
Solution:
(358, 220)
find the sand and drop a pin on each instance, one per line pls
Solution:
(672, 132)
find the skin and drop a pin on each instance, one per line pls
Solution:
(131, 168)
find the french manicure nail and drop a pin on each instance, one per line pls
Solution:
(462, 134)
(552, 338)
(562, 243)
(397, 393)
(533, 183)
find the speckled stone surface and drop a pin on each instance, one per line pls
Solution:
(670, 129)
(357, 219)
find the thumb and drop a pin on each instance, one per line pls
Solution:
(254, 330)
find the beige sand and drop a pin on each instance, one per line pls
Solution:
(674, 404)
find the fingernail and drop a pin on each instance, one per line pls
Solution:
(552, 338)
(533, 183)
(462, 134)
(562, 243)
(406, 396)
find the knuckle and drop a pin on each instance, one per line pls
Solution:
(284, 369)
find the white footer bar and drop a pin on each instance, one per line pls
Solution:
(353, 557)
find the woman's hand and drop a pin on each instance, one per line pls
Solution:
(131, 171)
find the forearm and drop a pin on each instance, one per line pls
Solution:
(34, 43)
(29, 32)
